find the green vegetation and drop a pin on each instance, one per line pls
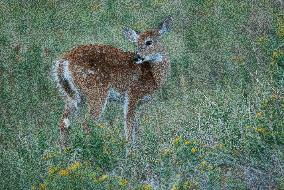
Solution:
(217, 123)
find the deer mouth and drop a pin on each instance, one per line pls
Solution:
(155, 58)
(138, 59)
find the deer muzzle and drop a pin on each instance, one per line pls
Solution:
(138, 59)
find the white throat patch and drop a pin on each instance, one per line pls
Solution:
(155, 58)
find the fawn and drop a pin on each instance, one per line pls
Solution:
(100, 73)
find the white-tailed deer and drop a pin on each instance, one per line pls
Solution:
(101, 73)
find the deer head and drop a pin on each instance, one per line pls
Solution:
(149, 45)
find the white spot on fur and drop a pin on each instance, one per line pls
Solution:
(54, 72)
(125, 111)
(158, 58)
(55, 76)
(84, 75)
(104, 105)
(66, 122)
(66, 72)
(114, 94)
(155, 58)
(146, 98)
(68, 76)
(131, 34)
(139, 61)
(135, 77)
(91, 72)
(134, 131)
(71, 102)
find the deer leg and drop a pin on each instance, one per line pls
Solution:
(85, 126)
(70, 108)
(131, 125)
(96, 102)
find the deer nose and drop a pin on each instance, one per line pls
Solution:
(138, 58)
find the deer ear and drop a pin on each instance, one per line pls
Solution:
(130, 34)
(165, 26)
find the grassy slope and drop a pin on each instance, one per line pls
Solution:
(224, 97)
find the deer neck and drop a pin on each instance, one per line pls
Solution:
(160, 71)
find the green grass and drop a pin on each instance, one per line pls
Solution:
(216, 124)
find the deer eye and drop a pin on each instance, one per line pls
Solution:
(148, 43)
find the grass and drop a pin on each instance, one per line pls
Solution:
(216, 124)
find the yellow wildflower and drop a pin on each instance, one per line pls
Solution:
(166, 151)
(187, 142)
(101, 125)
(103, 178)
(280, 31)
(96, 7)
(259, 114)
(63, 172)
(273, 97)
(275, 54)
(261, 130)
(262, 39)
(146, 119)
(74, 166)
(157, 2)
(51, 170)
(67, 149)
(221, 146)
(123, 182)
(48, 156)
(42, 186)
(194, 150)
(177, 139)
(147, 187)
(204, 163)
(174, 187)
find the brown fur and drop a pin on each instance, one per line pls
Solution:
(113, 68)
(96, 69)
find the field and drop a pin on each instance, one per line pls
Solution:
(216, 124)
